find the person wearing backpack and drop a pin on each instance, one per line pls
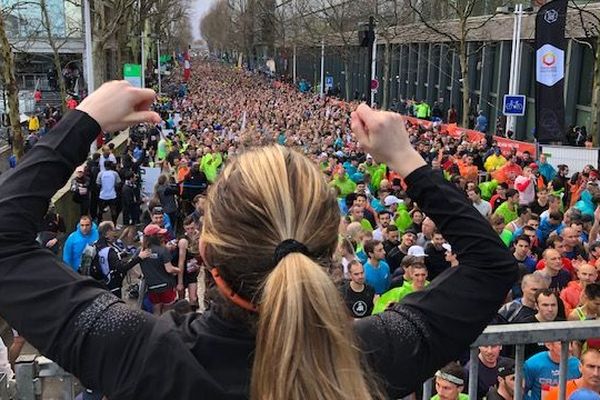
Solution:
(108, 266)
(85, 234)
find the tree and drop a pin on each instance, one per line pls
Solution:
(55, 46)
(590, 23)
(10, 85)
(392, 19)
(455, 21)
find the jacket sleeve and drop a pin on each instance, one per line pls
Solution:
(82, 327)
(405, 345)
(68, 251)
(119, 265)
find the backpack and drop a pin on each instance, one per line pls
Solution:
(90, 252)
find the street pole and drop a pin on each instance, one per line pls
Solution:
(89, 67)
(158, 59)
(515, 62)
(371, 42)
(322, 89)
(294, 73)
(373, 67)
(295, 59)
(143, 60)
(142, 50)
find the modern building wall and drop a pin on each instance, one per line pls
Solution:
(431, 72)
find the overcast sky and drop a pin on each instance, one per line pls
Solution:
(200, 7)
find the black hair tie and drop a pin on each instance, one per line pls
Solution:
(289, 246)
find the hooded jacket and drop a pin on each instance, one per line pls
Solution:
(75, 245)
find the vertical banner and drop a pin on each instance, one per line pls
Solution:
(550, 45)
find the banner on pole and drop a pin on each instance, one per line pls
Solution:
(550, 72)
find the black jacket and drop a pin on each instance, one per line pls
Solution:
(130, 354)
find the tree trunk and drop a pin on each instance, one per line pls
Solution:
(466, 87)
(347, 80)
(595, 114)
(99, 64)
(386, 75)
(10, 84)
(55, 56)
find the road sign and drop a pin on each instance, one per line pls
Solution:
(514, 105)
(374, 84)
(133, 74)
(328, 82)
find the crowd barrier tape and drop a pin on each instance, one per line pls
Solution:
(506, 145)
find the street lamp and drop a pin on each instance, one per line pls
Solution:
(366, 37)
(515, 57)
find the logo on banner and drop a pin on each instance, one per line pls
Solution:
(550, 65)
(551, 16)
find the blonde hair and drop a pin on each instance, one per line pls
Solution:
(305, 348)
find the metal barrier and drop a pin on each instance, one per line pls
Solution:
(31, 370)
(520, 335)
(3, 386)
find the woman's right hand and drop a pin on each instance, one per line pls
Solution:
(117, 105)
(383, 135)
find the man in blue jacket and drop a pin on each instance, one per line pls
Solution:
(85, 233)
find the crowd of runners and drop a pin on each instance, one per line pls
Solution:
(388, 247)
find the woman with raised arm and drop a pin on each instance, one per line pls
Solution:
(280, 329)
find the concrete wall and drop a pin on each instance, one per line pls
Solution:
(65, 206)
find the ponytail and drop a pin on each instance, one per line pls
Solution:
(305, 347)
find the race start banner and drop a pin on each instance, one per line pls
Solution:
(550, 45)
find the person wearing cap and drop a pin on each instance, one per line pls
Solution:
(159, 273)
(450, 382)
(489, 360)
(52, 229)
(391, 202)
(589, 380)
(160, 218)
(414, 280)
(505, 386)
(80, 189)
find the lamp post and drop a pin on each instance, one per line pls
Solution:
(515, 57)
(89, 61)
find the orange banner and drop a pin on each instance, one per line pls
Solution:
(506, 145)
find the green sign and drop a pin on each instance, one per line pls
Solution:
(133, 74)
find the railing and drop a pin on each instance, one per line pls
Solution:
(520, 335)
(3, 386)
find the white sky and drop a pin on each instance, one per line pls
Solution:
(200, 7)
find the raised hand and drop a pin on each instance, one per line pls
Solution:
(384, 136)
(117, 105)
